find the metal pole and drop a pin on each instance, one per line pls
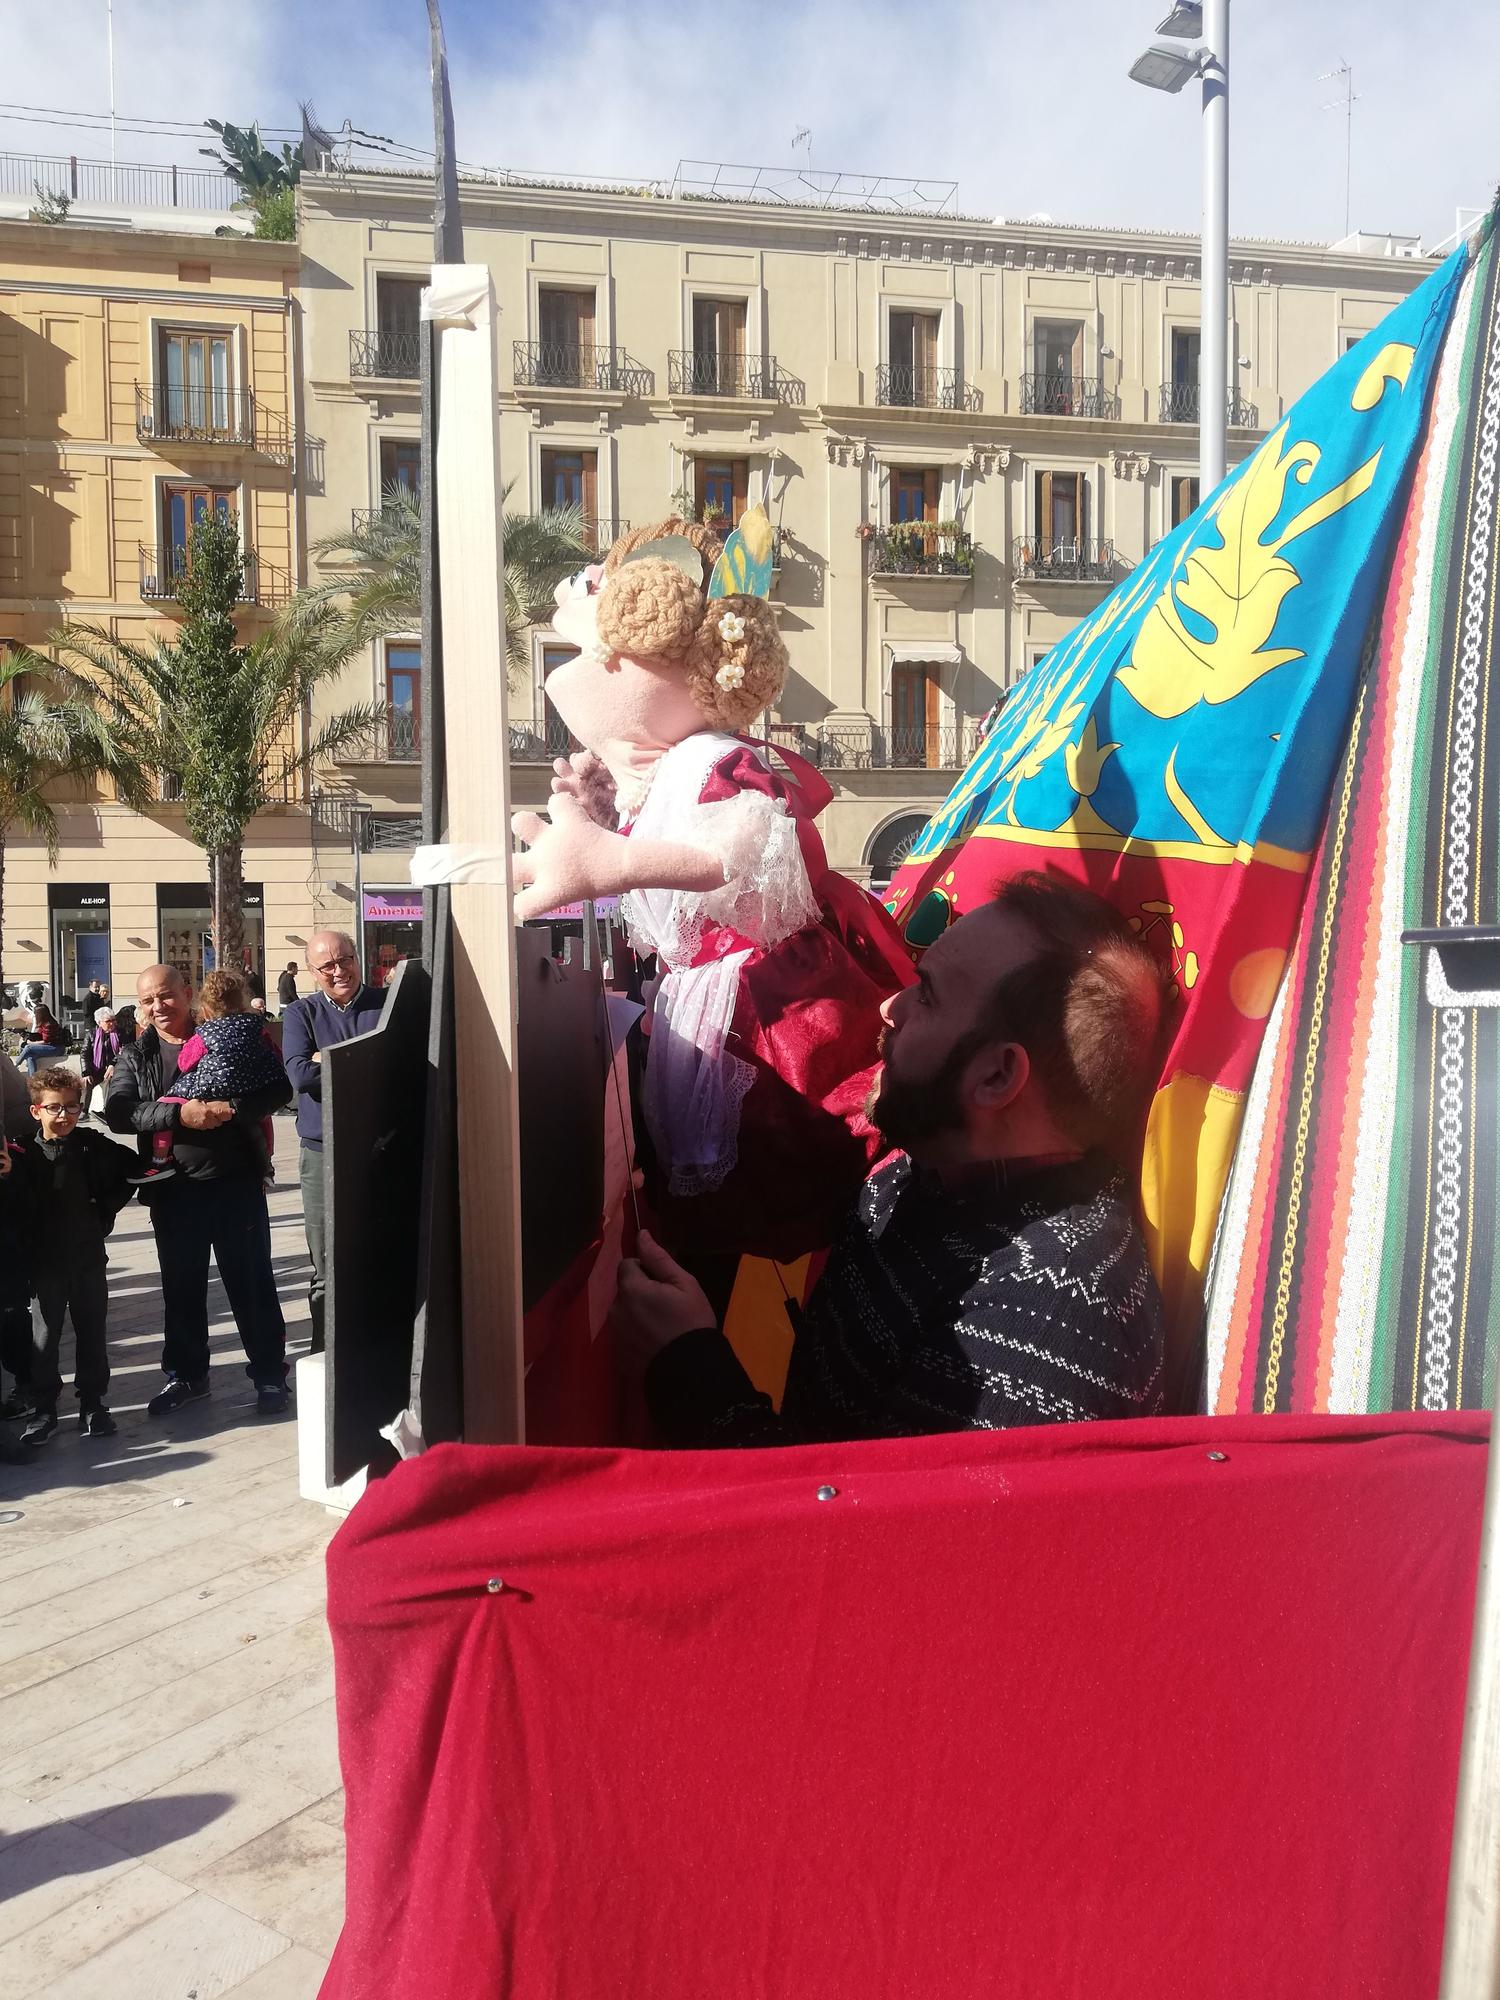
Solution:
(1213, 352)
(1471, 1933)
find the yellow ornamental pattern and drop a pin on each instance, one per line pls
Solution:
(1235, 591)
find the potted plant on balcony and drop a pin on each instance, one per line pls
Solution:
(683, 503)
(866, 531)
(714, 516)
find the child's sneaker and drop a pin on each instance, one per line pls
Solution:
(149, 1176)
(96, 1423)
(42, 1426)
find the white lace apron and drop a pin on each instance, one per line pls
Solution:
(695, 1084)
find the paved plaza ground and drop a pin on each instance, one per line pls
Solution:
(171, 1819)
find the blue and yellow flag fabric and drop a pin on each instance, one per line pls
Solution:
(1176, 751)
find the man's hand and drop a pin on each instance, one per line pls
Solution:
(200, 1115)
(568, 858)
(4, 1157)
(317, 1055)
(657, 1301)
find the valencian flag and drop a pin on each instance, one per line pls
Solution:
(1176, 751)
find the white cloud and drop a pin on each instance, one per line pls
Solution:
(1027, 108)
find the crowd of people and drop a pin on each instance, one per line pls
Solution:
(193, 1080)
(990, 1273)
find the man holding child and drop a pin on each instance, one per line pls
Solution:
(213, 1203)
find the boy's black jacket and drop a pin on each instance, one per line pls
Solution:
(26, 1190)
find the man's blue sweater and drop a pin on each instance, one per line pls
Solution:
(314, 1023)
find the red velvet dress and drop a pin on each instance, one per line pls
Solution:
(763, 1032)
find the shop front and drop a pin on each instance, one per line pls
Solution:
(78, 926)
(184, 921)
(392, 931)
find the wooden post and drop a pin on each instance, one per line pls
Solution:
(1471, 1935)
(466, 475)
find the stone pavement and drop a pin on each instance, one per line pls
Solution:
(171, 1819)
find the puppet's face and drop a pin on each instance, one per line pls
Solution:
(609, 700)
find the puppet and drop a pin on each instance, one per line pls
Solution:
(765, 1024)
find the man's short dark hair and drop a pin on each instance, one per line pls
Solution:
(1087, 1007)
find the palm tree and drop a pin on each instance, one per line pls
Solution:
(218, 722)
(381, 557)
(45, 741)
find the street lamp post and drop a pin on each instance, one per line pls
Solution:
(1165, 68)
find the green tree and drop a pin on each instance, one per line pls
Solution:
(47, 739)
(268, 181)
(218, 722)
(381, 560)
(245, 158)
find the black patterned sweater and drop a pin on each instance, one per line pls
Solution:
(1019, 1299)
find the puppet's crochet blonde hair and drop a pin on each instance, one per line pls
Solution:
(651, 611)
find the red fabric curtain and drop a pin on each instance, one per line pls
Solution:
(1116, 1710)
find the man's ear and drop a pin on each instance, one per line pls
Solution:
(999, 1075)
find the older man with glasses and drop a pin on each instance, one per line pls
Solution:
(341, 1007)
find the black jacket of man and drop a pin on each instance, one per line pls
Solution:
(132, 1103)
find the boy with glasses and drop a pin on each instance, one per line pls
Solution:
(69, 1184)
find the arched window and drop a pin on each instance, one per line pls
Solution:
(891, 846)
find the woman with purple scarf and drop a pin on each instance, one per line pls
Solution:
(100, 1050)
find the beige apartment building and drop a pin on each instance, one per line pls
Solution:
(964, 432)
(145, 376)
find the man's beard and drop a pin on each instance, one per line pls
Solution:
(909, 1113)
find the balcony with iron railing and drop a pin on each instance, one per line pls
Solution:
(540, 743)
(123, 184)
(179, 413)
(561, 364)
(1067, 396)
(396, 357)
(712, 374)
(402, 736)
(1039, 559)
(163, 569)
(940, 747)
(899, 386)
(917, 548)
(1180, 403)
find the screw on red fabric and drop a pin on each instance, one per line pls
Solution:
(957, 1737)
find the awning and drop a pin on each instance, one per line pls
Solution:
(939, 651)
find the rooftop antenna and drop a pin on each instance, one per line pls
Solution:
(803, 137)
(1344, 74)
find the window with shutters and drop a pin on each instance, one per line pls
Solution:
(915, 741)
(912, 373)
(196, 391)
(565, 320)
(718, 358)
(557, 739)
(401, 464)
(1184, 499)
(403, 700)
(1179, 395)
(722, 487)
(1062, 515)
(398, 305)
(916, 492)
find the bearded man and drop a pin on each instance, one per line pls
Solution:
(991, 1272)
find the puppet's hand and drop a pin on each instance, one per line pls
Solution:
(568, 858)
(585, 777)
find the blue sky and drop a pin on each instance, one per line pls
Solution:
(1029, 109)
